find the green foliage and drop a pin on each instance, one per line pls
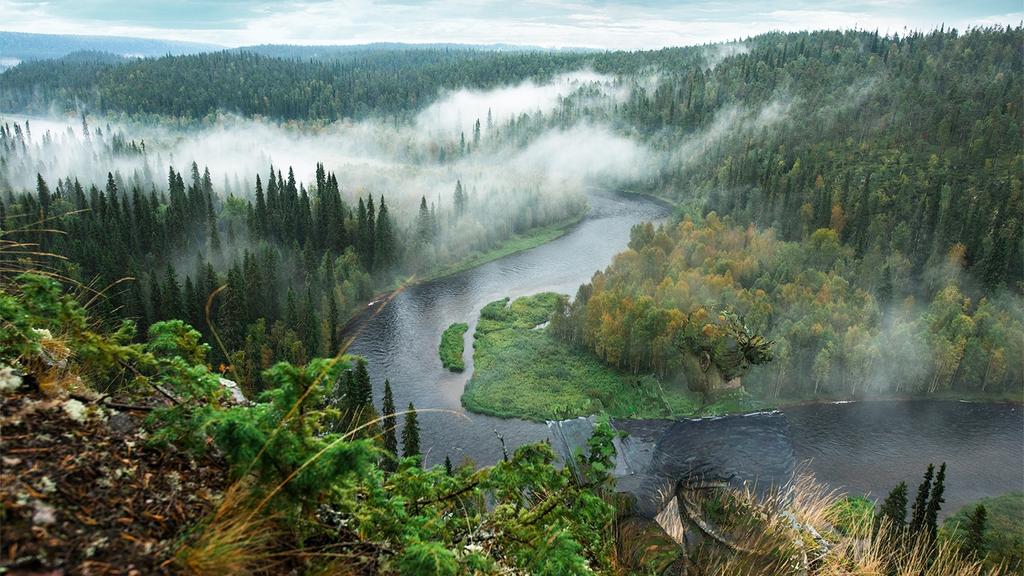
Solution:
(411, 434)
(977, 521)
(429, 559)
(35, 307)
(452, 347)
(853, 513)
(1003, 533)
(692, 301)
(893, 511)
(521, 371)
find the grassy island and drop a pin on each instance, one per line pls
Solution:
(522, 371)
(452, 346)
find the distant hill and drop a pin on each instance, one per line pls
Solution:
(19, 46)
(343, 52)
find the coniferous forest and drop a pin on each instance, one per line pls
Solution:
(192, 245)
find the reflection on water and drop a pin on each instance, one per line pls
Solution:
(861, 447)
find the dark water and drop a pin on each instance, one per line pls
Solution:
(863, 447)
(869, 447)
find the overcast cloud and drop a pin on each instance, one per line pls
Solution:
(627, 24)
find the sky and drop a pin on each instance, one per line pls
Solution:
(610, 24)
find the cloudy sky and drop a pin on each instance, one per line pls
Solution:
(592, 23)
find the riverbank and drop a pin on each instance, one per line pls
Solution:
(944, 396)
(513, 245)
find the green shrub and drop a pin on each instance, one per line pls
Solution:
(452, 347)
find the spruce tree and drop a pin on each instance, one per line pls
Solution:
(931, 516)
(384, 239)
(424, 227)
(893, 512)
(171, 296)
(390, 434)
(974, 542)
(448, 464)
(388, 408)
(460, 198)
(411, 433)
(362, 390)
(369, 242)
(921, 501)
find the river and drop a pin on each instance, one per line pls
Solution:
(861, 447)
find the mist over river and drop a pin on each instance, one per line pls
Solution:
(865, 447)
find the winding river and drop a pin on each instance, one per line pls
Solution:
(861, 447)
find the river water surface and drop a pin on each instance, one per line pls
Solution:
(863, 447)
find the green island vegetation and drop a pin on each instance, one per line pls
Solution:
(521, 370)
(452, 346)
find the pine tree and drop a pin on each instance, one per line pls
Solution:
(171, 296)
(384, 250)
(388, 408)
(460, 198)
(921, 501)
(261, 211)
(974, 542)
(332, 323)
(361, 235)
(411, 433)
(424, 227)
(43, 194)
(447, 464)
(894, 511)
(362, 390)
(931, 516)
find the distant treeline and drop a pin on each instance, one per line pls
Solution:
(906, 145)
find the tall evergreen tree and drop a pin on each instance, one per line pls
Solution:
(424, 225)
(361, 391)
(171, 293)
(384, 250)
(917, 519)
(977, 522)
(389, 422)
(411, 433)
(460, 198)
(931, 517)
(893, 512)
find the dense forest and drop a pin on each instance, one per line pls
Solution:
(906, 145)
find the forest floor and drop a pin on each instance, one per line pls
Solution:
(82, 492)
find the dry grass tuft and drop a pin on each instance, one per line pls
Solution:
(235, 541)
